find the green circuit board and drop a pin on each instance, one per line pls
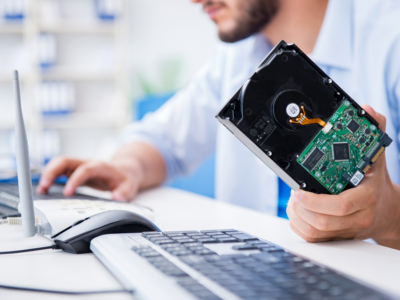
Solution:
(338, 150)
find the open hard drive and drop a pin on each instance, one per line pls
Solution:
(303, 125)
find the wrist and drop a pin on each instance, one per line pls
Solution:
(142, 160)
(130, 168)
(390, 231)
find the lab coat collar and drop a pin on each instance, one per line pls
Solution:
(334, 46)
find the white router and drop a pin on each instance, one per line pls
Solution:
(52, 216)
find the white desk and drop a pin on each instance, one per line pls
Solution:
(178, 210)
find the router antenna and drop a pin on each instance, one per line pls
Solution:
(23, 166)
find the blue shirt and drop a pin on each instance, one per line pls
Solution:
(358, 47)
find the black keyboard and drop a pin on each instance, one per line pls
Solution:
(257, 269)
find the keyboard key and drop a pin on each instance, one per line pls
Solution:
(175, 249)
(276, 249)
(244, 247)
(289, 270)
(246, 260)
(244, 237)
(223, 263)
(294, 259)
(140, 252)
(176, 273)
(284, 255)
(172, 270)
(192, 259)
(342, 281)
(254, 265)
(193, 245)
(151, 233)
(155, 238)
(269, 275)
(198, 236)
(266, 258)
(203, 266)
(246, 293)
(248, 278)
(259, 282)
(210, 231)
(163, 242)
(253, 242)
(228, 240)
(150, 254)
(306, 265)
(171, 245)
(211, 271)
(184, 232)
(186, 241)
(301, 290)
(319, 270)
(322, 285)
(280, 266)
(176, 235)
(206, 295)
(207, 240)
(140, 248)
(180, 237)
(196, 248)
(182, 252)
(239, 272)
(261, 245)
(228, 281)
(335, 291)
(220, 277)
(156, 259)
(215, 258)
(228, 267)
(222, 235)
(204, 252)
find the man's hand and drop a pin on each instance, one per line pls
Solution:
(97, 174)
(371, 210)
(135, 166)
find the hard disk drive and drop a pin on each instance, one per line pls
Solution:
(302, 125)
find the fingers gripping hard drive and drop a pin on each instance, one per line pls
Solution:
(303, 125)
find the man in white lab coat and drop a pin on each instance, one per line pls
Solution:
(355, 42)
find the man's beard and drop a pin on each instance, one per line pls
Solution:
(255, 15)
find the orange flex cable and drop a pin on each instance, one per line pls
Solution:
(303, 120)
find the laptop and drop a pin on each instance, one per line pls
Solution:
(9, 197)
(219, 264)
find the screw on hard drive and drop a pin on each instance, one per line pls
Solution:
(303, 185)
(329, 81)
(269, 153)
(363, 112)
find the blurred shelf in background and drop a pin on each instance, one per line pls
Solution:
(79, 120)
(68, 27)
(77, 74)
(71, 56)
(11, 29)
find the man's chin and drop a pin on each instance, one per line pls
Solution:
(232, 37)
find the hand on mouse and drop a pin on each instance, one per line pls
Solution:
(129, 170)
(371, 210)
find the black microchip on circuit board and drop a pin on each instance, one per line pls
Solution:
(341, 151)
(302, 125)
(353, 126)
(313, 159)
